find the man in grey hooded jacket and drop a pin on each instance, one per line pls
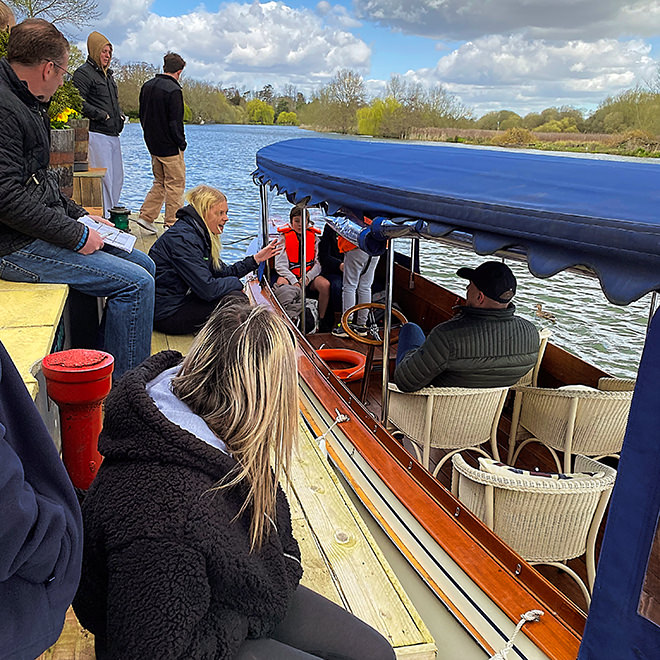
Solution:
(98, 89)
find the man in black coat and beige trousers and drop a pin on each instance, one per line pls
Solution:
(161, 116)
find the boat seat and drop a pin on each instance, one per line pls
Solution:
(574, 420)
(454, 418)
(546, 519)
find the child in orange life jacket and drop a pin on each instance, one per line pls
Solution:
(287, 262)
(359, 271)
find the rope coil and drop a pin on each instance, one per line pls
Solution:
(528, 617)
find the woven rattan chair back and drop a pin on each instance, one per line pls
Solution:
(572, 421)
(451, 418)
(544, 520)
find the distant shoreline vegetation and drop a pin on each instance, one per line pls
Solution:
(627, 124)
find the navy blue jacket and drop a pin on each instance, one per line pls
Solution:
(40, 526)
(183, 266)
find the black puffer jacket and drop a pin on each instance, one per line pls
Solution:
(167, 572)
(24, 152)
(100, 98)
(477, 348)
(183, 264)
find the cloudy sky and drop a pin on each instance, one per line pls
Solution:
(523, 55)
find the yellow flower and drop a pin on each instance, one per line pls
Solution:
(64, 115)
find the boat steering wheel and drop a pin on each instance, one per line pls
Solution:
(375, 339)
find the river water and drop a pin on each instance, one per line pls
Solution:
(223, 156)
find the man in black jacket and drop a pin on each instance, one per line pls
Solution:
(98, 89)
(484, 345)
(161, 116)
(40, 238)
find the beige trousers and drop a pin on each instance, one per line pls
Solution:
(168, 186)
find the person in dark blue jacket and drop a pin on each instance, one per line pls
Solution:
(40, 526)
(191, 279)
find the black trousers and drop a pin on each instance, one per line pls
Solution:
(314, 628)
(194, 313)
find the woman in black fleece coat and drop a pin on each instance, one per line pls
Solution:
(188, 548)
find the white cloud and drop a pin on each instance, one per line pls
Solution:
(244, 44)
(498, 72)
(468, 19)
(337, 15)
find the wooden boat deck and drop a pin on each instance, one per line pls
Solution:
(339, 555)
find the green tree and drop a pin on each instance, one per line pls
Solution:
(130, 78)
(634, 109)
(379, 116)
(564, 125)
(287, 119)
(500, 120)
(63, 13)
(342, 97)
(259, 112)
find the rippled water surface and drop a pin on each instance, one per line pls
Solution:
(223, 156)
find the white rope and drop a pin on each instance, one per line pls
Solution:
(338, 420)
(527, 617)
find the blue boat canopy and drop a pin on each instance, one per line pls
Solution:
(561, 211)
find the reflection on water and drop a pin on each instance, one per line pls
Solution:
(223, 156)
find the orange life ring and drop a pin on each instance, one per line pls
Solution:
(356, 359)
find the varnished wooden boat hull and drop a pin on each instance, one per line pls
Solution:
(473, 573)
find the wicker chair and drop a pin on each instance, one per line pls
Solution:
(546, 521)
(573, 420)
(608, 384)
(531, 377)
(454, 418)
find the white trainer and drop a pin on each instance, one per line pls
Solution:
(145, 224)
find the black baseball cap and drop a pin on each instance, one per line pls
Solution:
(493, 278)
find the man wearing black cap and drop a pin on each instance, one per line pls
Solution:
(484, 345)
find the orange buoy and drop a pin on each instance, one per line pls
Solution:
(355, 359)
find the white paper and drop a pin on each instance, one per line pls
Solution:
(111, 235)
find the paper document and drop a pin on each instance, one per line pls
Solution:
(110, 235)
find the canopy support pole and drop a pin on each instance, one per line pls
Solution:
(654, 297)
(302, 255)
(389, 286)
(263, 196)
(414, 256)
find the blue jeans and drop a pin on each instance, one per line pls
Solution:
(126, 279)
(411, 336)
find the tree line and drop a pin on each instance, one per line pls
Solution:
(343, 106)
(405, 108)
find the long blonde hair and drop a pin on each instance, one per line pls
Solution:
(202, 198)
(240, 376)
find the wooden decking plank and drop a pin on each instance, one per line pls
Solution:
(367, 584)
(158, 342)
(30, 314)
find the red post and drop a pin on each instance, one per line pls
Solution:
(78, 381)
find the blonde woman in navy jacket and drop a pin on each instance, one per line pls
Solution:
(191, 278)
